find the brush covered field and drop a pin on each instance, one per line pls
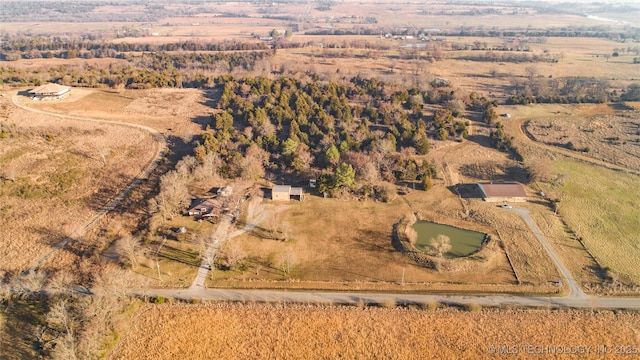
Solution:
(311, 332)
(56, 174)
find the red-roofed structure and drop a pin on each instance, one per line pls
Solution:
(507, 192)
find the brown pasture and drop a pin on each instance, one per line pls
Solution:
(57, 174)
(302, 331)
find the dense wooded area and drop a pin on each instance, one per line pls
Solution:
(351, 136)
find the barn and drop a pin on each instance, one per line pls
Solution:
(502, 192)
(286, 193)
(50, 91)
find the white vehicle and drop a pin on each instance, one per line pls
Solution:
(506, 206)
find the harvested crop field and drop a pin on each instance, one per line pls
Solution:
(227, 331)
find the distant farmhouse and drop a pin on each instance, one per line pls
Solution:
(50, 91)
(503, 192)
(286, 193)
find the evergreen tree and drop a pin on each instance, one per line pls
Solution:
(345, 176)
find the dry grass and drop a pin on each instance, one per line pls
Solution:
(295, 332)
(331, 246)
(175, 112)
(597, 203)
(63, 171)
(574, 256)
(611, 136)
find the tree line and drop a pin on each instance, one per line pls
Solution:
(147, 70)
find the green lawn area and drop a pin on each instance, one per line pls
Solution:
(603, 207)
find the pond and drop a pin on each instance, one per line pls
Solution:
(463, 242)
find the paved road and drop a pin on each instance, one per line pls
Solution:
(574, 289)
(355, 297)
(150, 166)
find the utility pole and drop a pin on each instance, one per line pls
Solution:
(164, 238)
(402, 283)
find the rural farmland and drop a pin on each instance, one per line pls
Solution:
(318, 179)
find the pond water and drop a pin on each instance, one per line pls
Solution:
(463, 242)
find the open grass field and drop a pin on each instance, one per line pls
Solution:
(178, 113)
(332, 247)
(57, 173)
(598, 204)
(612, 136)
(601, 206)
(299, 331)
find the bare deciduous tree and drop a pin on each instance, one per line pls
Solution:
(128, 247)
(61, 319)
(60, 282)
(102, 153)
(285, 229)
(274, 225)
(253, 163)
(208, 169)
(185, 166)
(113, 282)
(173, 196)
(287, 259)
(234, 253)
(441, 244)
(29, 283)
(209, 259)
(65, 348)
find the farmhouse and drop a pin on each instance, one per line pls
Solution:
(50, 91)
(205, 208)
(503, 192)
(286, 193)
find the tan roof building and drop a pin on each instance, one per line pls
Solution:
(286, 193)
(508, 192)
(50, 90)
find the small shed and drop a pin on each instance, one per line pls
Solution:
(502, 192)
(286, 193)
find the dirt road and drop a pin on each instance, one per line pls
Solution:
(356, 297)
(161, 146)
(574, 289)
(221, 236)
